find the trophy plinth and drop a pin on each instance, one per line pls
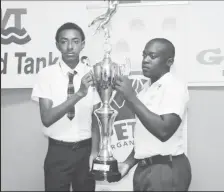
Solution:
(106, 170)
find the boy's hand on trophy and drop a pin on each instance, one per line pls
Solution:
(93, 78)
(123, 85)
(87, 80)
(123, 169)
(91, 158)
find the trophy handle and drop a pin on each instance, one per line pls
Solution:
(125, 68)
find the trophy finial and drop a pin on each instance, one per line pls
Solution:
(105, 18)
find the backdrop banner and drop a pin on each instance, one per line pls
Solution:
(27, 37)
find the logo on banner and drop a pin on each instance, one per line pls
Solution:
(13, 34)
(122, 135)
(210, 57)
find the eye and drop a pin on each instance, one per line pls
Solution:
(144, 55)
(153, 56)
(76, 41)
(62, 41)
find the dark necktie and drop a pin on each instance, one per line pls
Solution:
(71, 91)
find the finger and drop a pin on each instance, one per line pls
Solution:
(90, 164)
(88, 78)
(87, 83)
(118, 83)
(118, 88)
(90, 83)
(91, 71)
(90, 74)
(122, 78)
(86, 75)
(119, 78)
(126, 76)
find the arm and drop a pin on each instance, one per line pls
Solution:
(131, 161)
(50, 115)
(126, 166)
(161, 126)
(171, 108)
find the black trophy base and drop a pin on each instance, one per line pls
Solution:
(105, 171)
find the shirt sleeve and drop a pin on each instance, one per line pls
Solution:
(41, 87)
(175, 100)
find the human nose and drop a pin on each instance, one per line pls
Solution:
(70, 45)
(146, 59)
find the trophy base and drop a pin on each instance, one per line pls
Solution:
(105, 171)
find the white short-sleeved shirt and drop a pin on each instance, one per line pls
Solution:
(52, 83)
(167, 95)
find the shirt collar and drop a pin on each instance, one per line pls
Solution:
(66, 69)
(162, 79)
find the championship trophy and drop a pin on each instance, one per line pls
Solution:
(105, 166)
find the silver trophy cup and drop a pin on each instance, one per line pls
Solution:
(105, 166)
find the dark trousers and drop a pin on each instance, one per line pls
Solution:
(163, 177)
(65, 166)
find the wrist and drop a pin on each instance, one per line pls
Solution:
(131, 162)
(131, 97)
(93, 154)
(80, 94)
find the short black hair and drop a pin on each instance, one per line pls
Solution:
(69, 26)
(168, 43)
